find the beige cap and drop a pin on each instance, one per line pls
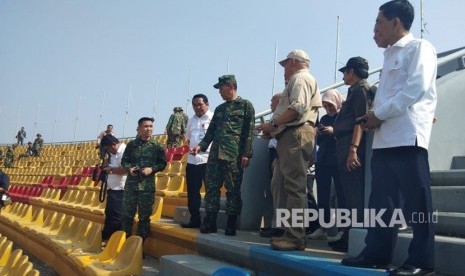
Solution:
(297, 55)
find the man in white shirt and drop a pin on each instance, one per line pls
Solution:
(402, 118)
(116, 177)
(196, 164)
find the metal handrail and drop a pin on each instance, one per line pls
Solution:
(442, 60)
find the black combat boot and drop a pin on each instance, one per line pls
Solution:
(209, 223)
(230, 229)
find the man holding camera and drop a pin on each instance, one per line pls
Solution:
(142, 158)
(116, 177)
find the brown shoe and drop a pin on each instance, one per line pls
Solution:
(286, 246)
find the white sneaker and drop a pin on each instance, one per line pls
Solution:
(318, 234)
(337, 237)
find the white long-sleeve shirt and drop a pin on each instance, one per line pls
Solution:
(116, 181)
(195, 131)
(406, 96)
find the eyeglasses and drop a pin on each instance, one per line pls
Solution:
(198, 105)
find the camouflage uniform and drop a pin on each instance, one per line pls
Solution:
(37, 146)
(9, 157)
(139, 190)
(231, 131)
(28, 151)
(175, 129)
(20, 136)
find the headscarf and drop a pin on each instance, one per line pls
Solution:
(333, 97)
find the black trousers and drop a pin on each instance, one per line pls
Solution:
(352, 182)
(194, 176)
(113, 213)
(325, 174)
(401, 179)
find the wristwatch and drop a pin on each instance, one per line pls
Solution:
(273, 123)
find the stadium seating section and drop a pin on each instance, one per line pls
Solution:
(57, 208)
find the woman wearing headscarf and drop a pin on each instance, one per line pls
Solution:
(326, 162)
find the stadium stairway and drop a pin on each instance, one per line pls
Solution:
(448, 192)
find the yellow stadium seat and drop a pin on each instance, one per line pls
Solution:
(22, 267)
(5, 247)
(48, 221)
(32, 272)
(157, 209)
(175, 186)
(53, 229)
(91, 241)
(67, 225)
(70, 199)
(176, 168)
(37, 219)
(127, 262)
(12, 261)
(87, 200)
(80, 233)
(161, 184)
(113, 247)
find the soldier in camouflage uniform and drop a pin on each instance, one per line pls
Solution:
(142, 158)
(176, 128)
(184, 115)
(231, 131)
(28, 151)
(37, 146)
(20, 136)
(9, 157)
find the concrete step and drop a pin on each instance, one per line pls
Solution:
(450, 224)
(448, 177)
(448, 198)
(449, 251)
(458, 162)
(251, 251)
(196, 265)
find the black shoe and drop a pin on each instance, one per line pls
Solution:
(362, 261)
(339, 245)
(411, 270)
(271, 232)
(230, 229)
(209, 224)
(191, 224)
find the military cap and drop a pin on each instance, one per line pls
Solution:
(355, 63)
(297, 55)
(225, 79)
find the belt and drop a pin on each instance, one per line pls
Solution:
(294, 127)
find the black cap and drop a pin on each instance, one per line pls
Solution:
(355, 63)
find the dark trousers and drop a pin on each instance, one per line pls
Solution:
(113, 213)
(352, 182)
(325, 174)
(230, 174)
(195, 174)
(401, 179)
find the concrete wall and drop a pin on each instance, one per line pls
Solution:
(448, 135)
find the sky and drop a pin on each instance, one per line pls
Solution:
(69, 68)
